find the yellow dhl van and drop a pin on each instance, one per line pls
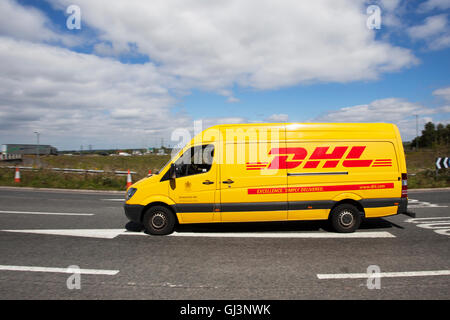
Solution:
(277, 172)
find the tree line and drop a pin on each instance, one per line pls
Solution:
(433, 136)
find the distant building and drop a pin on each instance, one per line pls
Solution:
(161, 152)
(28, 149)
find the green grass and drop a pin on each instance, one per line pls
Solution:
(50, 179)
(421, 168)
(45, 178)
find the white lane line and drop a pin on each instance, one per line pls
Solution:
(48, 213)
(121, 200)
(328, 276)
(59, 270)
(113, 233)
(304, 235)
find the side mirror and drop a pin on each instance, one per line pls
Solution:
(172, 173)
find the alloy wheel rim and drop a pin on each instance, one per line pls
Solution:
(158, 220)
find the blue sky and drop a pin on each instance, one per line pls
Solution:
(137, 71)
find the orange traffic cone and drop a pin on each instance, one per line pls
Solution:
(17, 175)
(129, 183)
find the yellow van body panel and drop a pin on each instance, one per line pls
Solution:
(279, 172)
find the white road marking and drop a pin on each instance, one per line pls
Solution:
(85, 233)
(383, 274)
(121, 200)
(426, 220)
(113, 233)
(49, 213)
(414, 204)
(58, 270)
(440, 225)
(305, 235)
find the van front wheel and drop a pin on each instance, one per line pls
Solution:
(345, 218)
(159, 220)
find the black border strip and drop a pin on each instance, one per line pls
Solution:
(279, 206)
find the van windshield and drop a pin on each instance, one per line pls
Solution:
(174, 153)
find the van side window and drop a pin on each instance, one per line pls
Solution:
(195, 160)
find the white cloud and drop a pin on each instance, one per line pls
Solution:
(434, 4)
(444, 109)
(75, 97)
(390, 110)
(281, 117)
(192, 44)
(257, 44)
(434, 31)
(432, 26)
(28, 23)
(443, 93)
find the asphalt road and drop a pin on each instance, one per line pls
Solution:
(42, 233)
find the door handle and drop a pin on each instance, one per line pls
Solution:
(207, 182)
(229, 181)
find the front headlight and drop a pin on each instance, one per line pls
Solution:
(130, 193)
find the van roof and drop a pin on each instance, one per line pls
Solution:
(313, 125)
(309, 131)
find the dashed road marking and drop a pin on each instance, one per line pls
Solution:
(48, 213)
(329, 276)
(58, 270)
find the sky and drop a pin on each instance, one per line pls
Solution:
(130, 73)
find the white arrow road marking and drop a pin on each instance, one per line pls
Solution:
(435, 225)
(49, 213)
(426, 220)
(383, 274)
(440, 225)
(85, 233)
(59, 270)
(113, 233)
(382, 234)
(413, 203)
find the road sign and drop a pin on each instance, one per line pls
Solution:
(442, 163)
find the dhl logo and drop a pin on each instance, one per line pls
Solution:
(320, 155)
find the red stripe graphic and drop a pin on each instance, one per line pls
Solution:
(369, 186)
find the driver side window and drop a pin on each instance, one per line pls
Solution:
(195, 160)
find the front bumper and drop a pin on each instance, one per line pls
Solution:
(134, 212)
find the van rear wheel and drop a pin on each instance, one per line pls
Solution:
(159, 220)
(345, 218)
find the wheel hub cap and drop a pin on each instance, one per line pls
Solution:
(346, 218)
(158, 220)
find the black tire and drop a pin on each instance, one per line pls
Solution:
(159, 220)
(345, 218)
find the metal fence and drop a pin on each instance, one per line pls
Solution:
(69, 170)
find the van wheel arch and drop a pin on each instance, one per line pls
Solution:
(162, 204)
(354, 203)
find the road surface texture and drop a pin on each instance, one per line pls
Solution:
(43, 233)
